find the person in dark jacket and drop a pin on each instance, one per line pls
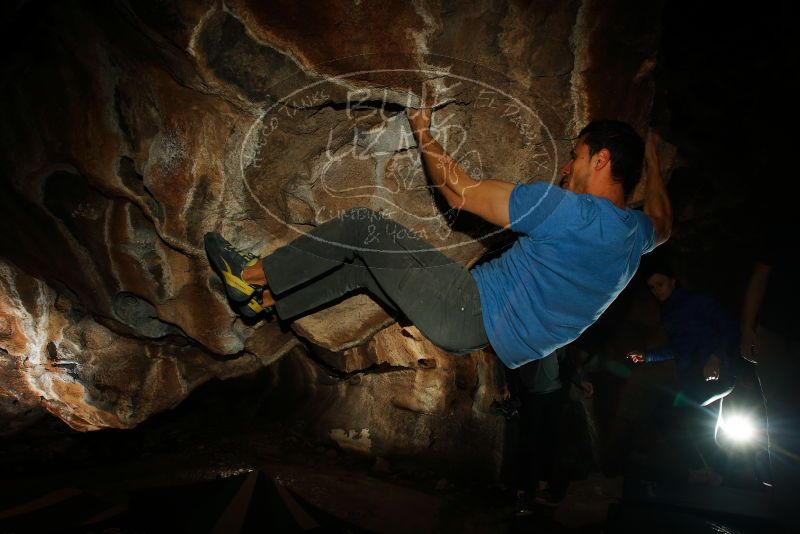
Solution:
(703, 340)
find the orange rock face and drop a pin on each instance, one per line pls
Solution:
(132, 128)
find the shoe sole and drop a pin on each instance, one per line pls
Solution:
(251, 309)
(237, 289)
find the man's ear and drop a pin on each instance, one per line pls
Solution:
(602, 158)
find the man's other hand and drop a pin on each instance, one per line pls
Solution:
(747, 344)
(711, 369)
(636, 357)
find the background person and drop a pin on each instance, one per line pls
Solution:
(703, 341)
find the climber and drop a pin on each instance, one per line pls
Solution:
(577, 248)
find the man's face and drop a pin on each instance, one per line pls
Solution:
(661, 286)
(575, 174)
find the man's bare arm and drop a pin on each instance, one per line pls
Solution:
(487, 199)
(753, 298)
(656, 202)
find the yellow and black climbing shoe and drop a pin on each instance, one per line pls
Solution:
(255, 306)
(229, 264)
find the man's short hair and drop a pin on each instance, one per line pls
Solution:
(657, 267)
(624, 144)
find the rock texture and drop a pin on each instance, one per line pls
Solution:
(132, 128)
(399, 395)
(55, 355)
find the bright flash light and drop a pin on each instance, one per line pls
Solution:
(738, 427)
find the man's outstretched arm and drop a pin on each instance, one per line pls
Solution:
(756, 289)
(488, 199)
(656, 202)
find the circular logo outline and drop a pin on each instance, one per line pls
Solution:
(437, 73)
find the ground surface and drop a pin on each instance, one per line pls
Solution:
(230, 460)
(219, 458)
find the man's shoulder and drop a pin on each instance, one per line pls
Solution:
(640, 220)
(532, 204)
(537, 189)
(603, 210)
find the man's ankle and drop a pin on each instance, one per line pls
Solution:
(267, 297)
(254, 275)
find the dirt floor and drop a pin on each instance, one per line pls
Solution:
(223, 462)
(219, 462)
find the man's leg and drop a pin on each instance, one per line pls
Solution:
(323, 290)
(437, 294)
(779, 370)
(527, 474)
(550, 434)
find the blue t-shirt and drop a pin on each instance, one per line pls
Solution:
(574, 255)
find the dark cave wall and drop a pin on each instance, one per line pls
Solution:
(132, 128)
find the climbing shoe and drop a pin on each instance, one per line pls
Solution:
(255, 306)
(229, 264)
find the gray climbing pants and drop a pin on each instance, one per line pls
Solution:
(363, 250)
